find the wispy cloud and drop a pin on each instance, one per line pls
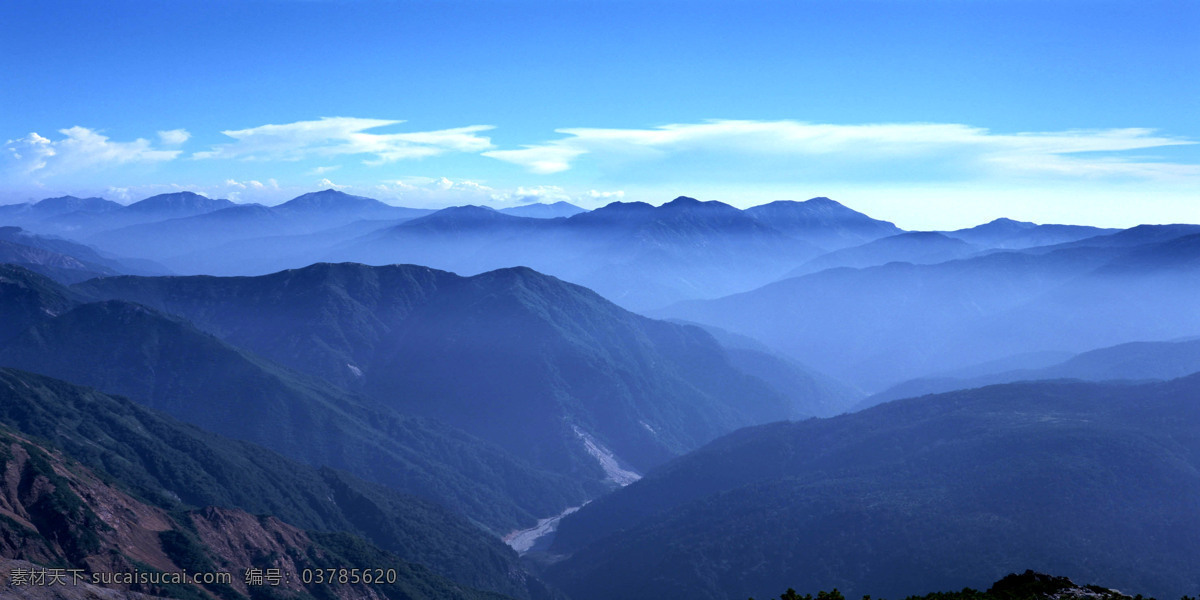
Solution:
(541, 193)
(174, 137)
(610, 195)
(337, 136)
(79, 149)
(968, 148)
(548, 158)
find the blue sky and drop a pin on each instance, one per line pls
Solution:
(929, 114)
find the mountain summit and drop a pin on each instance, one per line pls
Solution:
(178, 204)
(331, 200)
(824, 222)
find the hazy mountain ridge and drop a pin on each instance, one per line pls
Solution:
(813, 394)
(880, 325)
(28, 298)
(917, 493)
(1133, 361)
(544, 211)
(1007, 234)
(63, 260)
(203, 231)
(166, 363)
(409, 335)
(633, 253)
(823, 222)
(636, 254)
(915, 247)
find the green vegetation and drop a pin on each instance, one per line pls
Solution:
(336, 551)
(1099, 481)
(186, 551)
(173, 466)
(39, 490)
(59, 514)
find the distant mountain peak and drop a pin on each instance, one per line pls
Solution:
(468, 211)
(173, 196)
(813, 207)
(624, 206)
(471, 208)
(615, 212)
(923, 235)
(544, 211)
(64, 204)
(329, 199)
(1008, 221)
(58, 200)
(1004, 223)
(179, 202)
(819, 200)
(455, 217)
(689, 203)
(822, 221)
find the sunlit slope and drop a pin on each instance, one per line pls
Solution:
(60, 515)
(173, 466)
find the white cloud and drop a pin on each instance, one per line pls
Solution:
(79, 149)
(606, 195)
(324, 170)
(337, 136)
(978, 149)
(1071, 166)
(174, 137)
(541, 193)
(236, 184)
(120, 193)
(326, 184)
(549, 158)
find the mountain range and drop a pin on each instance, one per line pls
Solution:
(492, 421)
(635, 254)
(1132, 361)
(63, 260)
(166, 363)
(879, 325)
(520, 359)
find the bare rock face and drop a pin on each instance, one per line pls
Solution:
(58, 518)
(249, 542)
(62, 514)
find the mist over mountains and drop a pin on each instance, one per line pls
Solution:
(878, 325)
(514, 357)
(382, 384)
